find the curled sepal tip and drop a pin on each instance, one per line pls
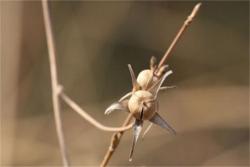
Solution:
(117, 106)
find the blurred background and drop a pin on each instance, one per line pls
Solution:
(95, 41)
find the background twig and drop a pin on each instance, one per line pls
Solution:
(54, 82)
(57, 91)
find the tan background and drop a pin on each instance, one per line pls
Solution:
(95, 41)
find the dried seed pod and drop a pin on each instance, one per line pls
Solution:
(145, 79)
(142, 105)
(142, 100)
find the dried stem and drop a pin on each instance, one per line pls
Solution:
(179, 34)
(57, 92)
(115, 140)
(117, 136)
(90, 119)
(54, 82)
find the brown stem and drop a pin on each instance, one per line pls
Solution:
(115, 140)
(179, 34)
(54, 82)
(90, 119)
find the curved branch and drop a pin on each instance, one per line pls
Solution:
(90, 119)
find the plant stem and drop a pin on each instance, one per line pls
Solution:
(115, 140)
(54, 82)
(179, 34)
(90, 119)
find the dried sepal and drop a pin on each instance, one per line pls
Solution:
(117, 106)
(153, 63)
(158, 120)
(135, 84)
(126, 96)
(147, 130)
(154, 89)
(162, 70)
(136, 133)
(167, 87)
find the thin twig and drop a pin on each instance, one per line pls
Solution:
(54, 82)
(57, 91)
(179, 34)
(90, 119)
(115, 140)
(117, 136)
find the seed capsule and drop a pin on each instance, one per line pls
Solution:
(145, 79)
(142, 100)
(141, 105)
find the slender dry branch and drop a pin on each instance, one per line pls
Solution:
(179, 34)
(115, 140)
(90, 119)
(54, 82)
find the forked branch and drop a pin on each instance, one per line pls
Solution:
(57, 92)
(54, 82)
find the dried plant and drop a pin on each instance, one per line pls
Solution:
(144, 79)
(141, 103)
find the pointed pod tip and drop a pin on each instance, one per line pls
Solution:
(158, 120)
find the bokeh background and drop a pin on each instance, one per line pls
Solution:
(95, 41)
